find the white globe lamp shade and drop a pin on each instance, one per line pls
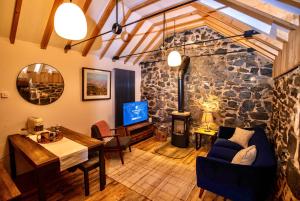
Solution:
(174, 59)
(70, 22)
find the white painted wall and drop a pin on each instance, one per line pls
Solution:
(68, 110)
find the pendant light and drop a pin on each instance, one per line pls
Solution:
(174, 58)
(125, 36)
(70, 22)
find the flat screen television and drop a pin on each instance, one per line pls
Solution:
(135, 112)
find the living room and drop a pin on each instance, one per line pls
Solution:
(150, 100)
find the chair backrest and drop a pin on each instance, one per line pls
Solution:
(103, 129)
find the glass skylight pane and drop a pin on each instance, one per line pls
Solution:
(261, 26)
(212, 4)
(284, 6)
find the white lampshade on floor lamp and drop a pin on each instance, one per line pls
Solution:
(70, 22)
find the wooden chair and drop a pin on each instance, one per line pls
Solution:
(114, 142)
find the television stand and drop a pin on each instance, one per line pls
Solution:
(139, 131)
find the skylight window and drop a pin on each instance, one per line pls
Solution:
(37, 68)
(212, 4)
(284, 6)
(257, 24)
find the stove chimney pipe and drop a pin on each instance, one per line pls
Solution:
(181, 72)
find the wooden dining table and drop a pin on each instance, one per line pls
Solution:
(46, 163)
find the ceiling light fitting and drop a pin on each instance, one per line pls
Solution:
(116, 28)
(174, 57)
(70, 22)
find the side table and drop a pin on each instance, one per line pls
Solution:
(200, 131)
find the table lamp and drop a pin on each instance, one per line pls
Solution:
(207, 118)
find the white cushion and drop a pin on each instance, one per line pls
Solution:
(241, 137)
(245, 156)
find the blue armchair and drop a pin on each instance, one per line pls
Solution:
(217, 174)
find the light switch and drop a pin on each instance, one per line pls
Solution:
(4, 94)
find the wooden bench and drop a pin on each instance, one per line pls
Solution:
(8, 189)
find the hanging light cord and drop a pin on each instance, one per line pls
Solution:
(174, 34)
(164, 29)
(68, 47)
(117, 14)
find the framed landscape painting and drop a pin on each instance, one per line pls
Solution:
(96, 84)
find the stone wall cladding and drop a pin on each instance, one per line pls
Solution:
(285, 126)
(241, 82)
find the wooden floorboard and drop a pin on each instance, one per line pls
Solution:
(70, 185)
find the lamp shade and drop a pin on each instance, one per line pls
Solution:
(207, 117)
(174, 59)
(70, 22)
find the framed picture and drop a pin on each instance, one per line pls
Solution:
(96, 84)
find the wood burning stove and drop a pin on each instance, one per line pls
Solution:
(180, 118)
(180, 129)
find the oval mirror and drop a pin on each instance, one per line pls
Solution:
(40, 84)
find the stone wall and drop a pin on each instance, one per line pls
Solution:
(237, 87)
(286, 130)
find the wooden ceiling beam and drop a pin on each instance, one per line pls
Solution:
(237, 32)
(148, 46)
(291, 3)
(131, 36)
(124, 45)
(141, 41)
(15, 21)
(50, 24)
(241, 40)
(85, 7)
(123, 22)
(263, 38)
(258, 14)
(179, 27)
(151, 28)
(107, 11)
(221, 18)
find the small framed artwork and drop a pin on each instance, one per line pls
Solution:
(96, 84)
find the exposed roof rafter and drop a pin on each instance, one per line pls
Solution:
(50, 25)
(258, 14)
(124, 20)
(15, 21)
(107, 11)
(243, 41)
(157, 24)
(178, 28)
(217, 15)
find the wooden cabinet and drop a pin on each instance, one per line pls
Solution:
(140, 131)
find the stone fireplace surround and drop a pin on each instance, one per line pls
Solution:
(243, 85)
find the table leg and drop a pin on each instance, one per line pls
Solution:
(200, 136)
(102, 176)
(12, 160)
(196, 141)
(40, 185)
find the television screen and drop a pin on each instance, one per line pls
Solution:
(135, 112)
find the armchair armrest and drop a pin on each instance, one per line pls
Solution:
(238, 176)
(116, 135)
(225, 132)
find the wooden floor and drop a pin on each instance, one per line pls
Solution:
(70, 185)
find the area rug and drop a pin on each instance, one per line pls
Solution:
(156, 177)
(168, 150)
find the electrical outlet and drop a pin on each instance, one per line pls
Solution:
(4, 94)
